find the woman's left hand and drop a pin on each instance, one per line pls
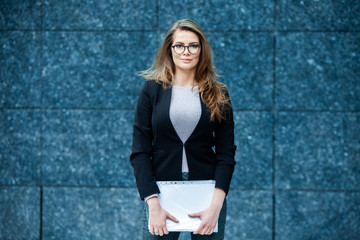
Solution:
(209, 218)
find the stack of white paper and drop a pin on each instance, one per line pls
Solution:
(180, 198)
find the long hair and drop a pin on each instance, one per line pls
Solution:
(212, 92)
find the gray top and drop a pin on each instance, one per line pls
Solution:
(185, 112)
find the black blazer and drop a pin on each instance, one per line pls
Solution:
(157, 149)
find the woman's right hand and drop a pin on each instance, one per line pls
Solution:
(157, 217)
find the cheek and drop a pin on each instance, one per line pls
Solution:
(174, 56)
(197, 58)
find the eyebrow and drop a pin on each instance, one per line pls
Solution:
(189, 43)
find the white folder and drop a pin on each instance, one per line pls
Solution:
(180, 198)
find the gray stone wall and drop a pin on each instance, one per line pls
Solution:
(69, 86)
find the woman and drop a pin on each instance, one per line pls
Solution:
(182, 112)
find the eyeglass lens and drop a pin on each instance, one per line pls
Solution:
(179, 49)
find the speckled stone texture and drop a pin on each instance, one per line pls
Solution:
(21, 14)
(318, 151)
(20, 72)
(318, 215)
(253, 137)
(318, 71)
(20, 211)
(91, 213)
(95, 70)
(69, 84)
(20, 147)
(218, 14)
(244, 61)
(105, 14)
(249, 215)
(318, 15)
(87, 148)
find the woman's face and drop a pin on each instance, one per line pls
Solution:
(188, 59)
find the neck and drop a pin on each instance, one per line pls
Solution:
(184, 77)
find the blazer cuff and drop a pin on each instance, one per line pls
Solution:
(151, 196)
(223, 175)
(148, 190)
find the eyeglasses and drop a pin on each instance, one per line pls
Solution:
(180, 49)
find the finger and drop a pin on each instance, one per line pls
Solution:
(172, 218)
(199, 229)
(165, 231)
(161, 232)
(210, 231)
(198, 214)
(203, 231)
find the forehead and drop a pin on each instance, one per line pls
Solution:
(185, 36)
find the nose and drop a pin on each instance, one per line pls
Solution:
(186, 49)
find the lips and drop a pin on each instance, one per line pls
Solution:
(186, 59)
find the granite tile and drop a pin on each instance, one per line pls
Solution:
(91, 213)
(23, 14)
(318, 151)
(20, 72)
(87, 148)
(318, 15)
(245, 62)
(105, 14)
(317, 215)
(219, 14)
(20, 149)
(253, 138)
(160, 39)
(318, 71)
(20, 213)
(95, 70)
(249, 215)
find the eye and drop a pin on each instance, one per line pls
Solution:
(178, 46)
(194, 46)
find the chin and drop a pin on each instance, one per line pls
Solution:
(187, 67)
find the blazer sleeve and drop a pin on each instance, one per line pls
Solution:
(140, 157)
(225, 151)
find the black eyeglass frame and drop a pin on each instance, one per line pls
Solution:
(199, 46)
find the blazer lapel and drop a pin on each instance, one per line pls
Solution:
(166, 114)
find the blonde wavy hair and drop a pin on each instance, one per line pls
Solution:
(213, 93)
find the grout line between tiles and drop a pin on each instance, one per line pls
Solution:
(274, 113)
(41, 117)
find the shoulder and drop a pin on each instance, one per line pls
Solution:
(149, 85)
(151, 89)
(153, 86)
(154, 83)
